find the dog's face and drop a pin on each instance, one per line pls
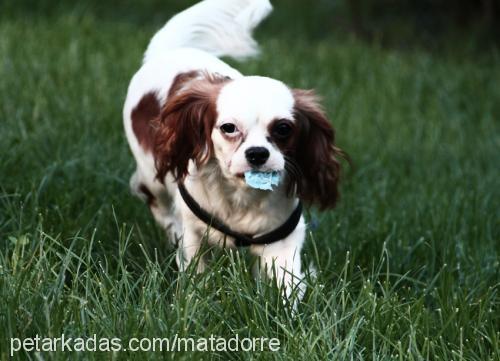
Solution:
(249, 123)
(254, 116)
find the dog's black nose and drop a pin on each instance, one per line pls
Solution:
(256, 155)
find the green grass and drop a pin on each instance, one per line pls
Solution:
(408, 263)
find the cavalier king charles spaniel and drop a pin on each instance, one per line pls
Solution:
(198, 128)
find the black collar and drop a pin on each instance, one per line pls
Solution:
(242, 239)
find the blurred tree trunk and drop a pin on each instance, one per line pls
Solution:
(357, 10)
(488, 13)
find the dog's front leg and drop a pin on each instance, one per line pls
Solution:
(281, 260)
(189, 245)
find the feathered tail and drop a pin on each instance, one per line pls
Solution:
(219, 27)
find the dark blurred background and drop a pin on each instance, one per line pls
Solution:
(432, 24)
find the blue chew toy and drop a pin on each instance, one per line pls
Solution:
(262, 180)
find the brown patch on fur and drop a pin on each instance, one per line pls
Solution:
(287, 145)
(180, 80)
(183, 130)
(143, 116)
(289, 148)
(315, 152)
(150, 198)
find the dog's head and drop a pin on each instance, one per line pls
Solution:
(249, 123)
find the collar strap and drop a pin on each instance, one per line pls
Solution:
(241, 239)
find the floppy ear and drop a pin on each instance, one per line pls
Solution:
(316, 152)
(183, 131)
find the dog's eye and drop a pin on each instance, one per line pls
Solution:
(228, 128)
(282, 130)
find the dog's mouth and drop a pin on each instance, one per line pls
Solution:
(241, 175)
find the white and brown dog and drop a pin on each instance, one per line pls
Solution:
(196, 125)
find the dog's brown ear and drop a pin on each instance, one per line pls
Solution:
(316, 153)
(183, 130)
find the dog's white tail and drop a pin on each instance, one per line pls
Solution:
(219, 27)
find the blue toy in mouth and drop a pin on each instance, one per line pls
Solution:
(262, 180)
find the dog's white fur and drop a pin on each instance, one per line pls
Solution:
(193, 40)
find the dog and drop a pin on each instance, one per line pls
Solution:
(196, 126)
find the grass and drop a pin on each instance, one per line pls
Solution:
(408, 265)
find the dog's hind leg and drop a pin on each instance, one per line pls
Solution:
(155, 195)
